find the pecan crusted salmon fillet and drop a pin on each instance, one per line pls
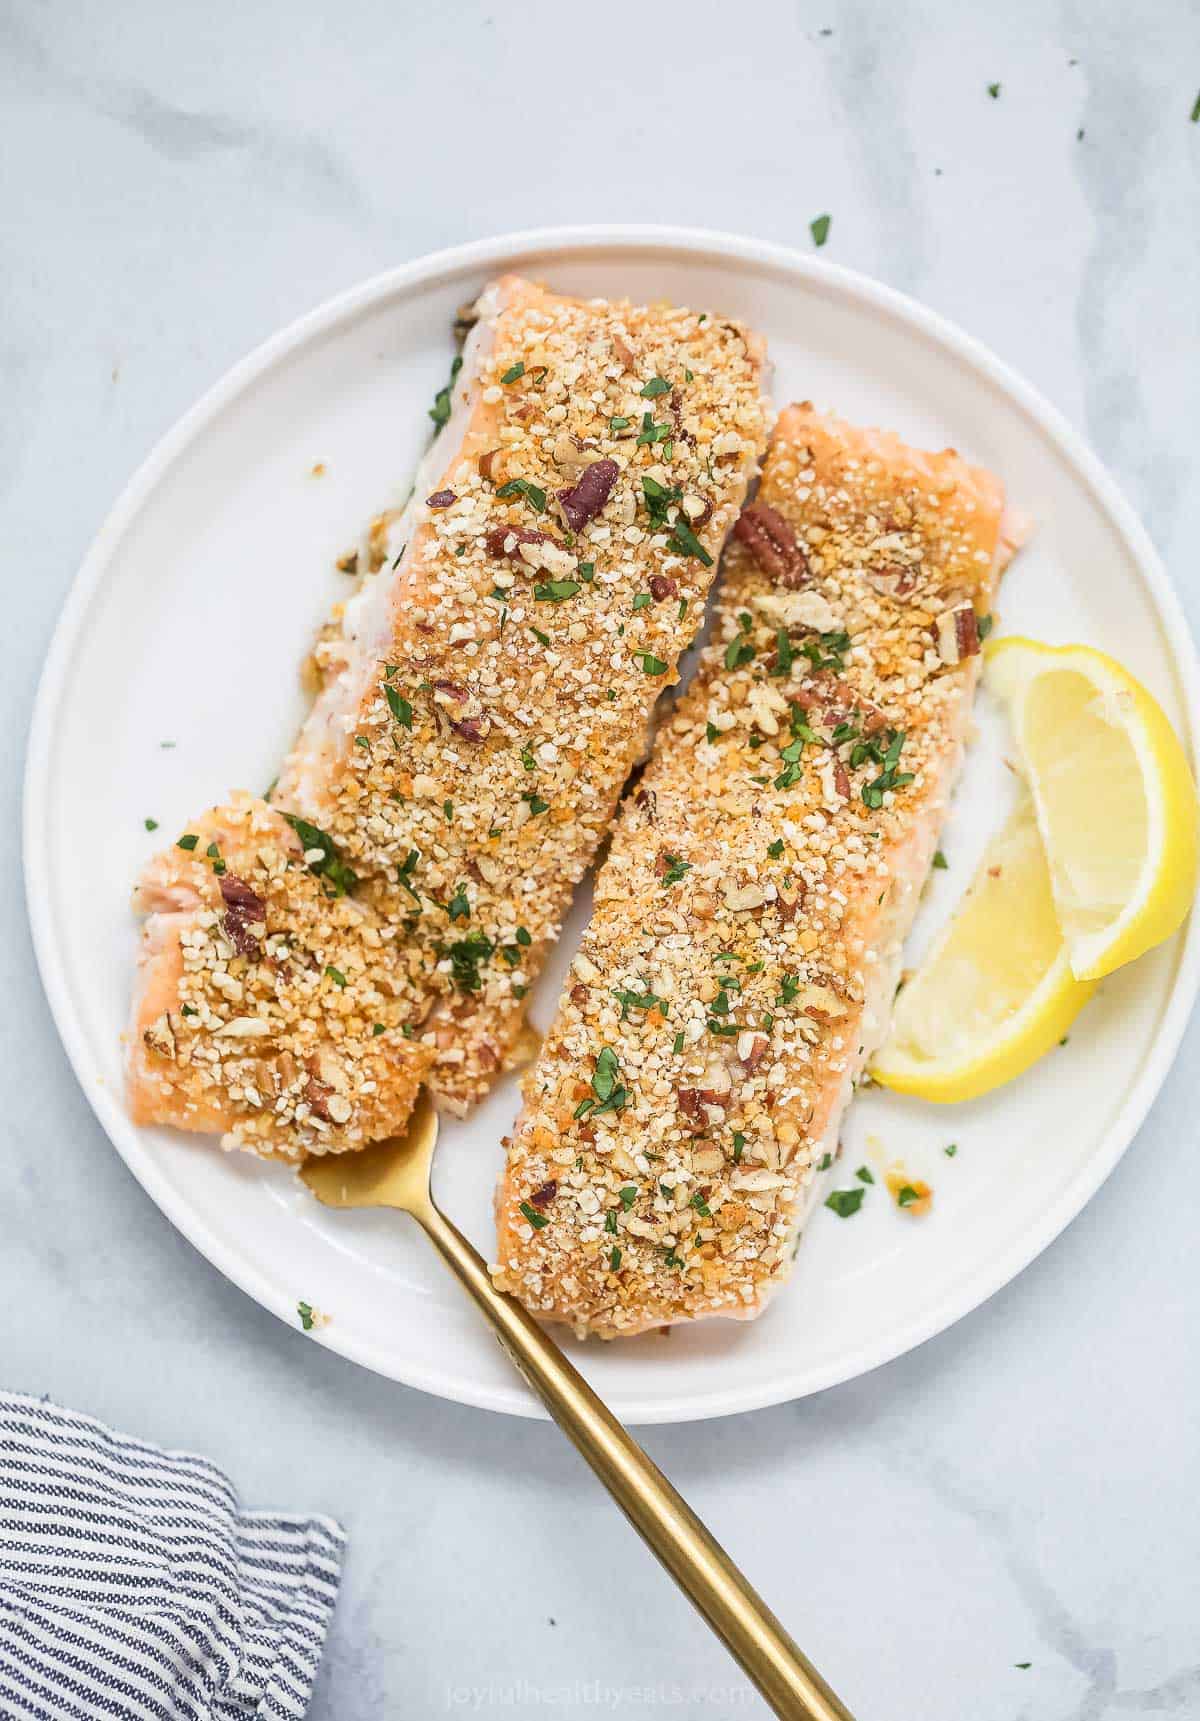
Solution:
(482, 699)
(271, 1005)
(744, 949)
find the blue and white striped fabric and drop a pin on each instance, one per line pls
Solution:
(133, 1585)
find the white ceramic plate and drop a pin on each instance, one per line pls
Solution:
(187, 622)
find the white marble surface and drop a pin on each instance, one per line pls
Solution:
(176, 182)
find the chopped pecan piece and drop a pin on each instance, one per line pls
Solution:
(624, 352)
(243, 908)
(507, 540)
(462, 709)
(957, 633)
(440, 499)
(318, 1095)
(773, 545)
(662, 586)
(160, 1036)
(587, 496)
(828, 701)
(545, 1195)
(894, 580)
(752, 1049)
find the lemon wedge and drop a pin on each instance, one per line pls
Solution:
(1115, 800)
(996, 991)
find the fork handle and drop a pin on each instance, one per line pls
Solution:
(700, 1566)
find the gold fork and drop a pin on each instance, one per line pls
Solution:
(395, 1174)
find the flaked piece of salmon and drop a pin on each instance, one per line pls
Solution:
(271, 1005)
(744, 950)
(481, 699)
(492, 684)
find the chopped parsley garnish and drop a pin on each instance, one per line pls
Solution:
(304, 1310)
(789, 986)
(608, 1089)
(651, 433)
(658, 499)
(825, 1161)
(459, 907)
(536, 1219)
(188, 842)
(628, 1195)
(336, 975)
(536, 803)
(951, 1150)
(701, 1206)
(678, 1047)
(188, 1010)
(448, 811)
(845, 1202)
(404, 872)
(711, 732)
(819, 228)
(150, 824)
(889, 777)
(528, 760)
(775, 849)
(542, 638)
(739, 1146)
(587, 570)
(619, 423)
(522, 487)
(723, 1030)
(993, 91)
(610, 1221)
(614, 1257)
(523, 936)
(645, 1000)
(906, 1195)
(440, 410)
(467, 956)
(330, 866)
(513, 373)
(675, 870)
(642, 601)
(399, 707)
(984, 625)
(686, 540)
(1196, 110)
(865, 1174)
(555, 591)
(377, 1030)
(740, 650)
(939, 861)
(1024, 1664)
(656, 386)
(783, 653)
(830, 652)
(651, 665)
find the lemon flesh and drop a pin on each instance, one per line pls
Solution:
(996, 991)
(1115, 800)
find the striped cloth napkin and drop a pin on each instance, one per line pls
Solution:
(133, 1585)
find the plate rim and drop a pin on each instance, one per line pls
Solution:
(482, 255)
